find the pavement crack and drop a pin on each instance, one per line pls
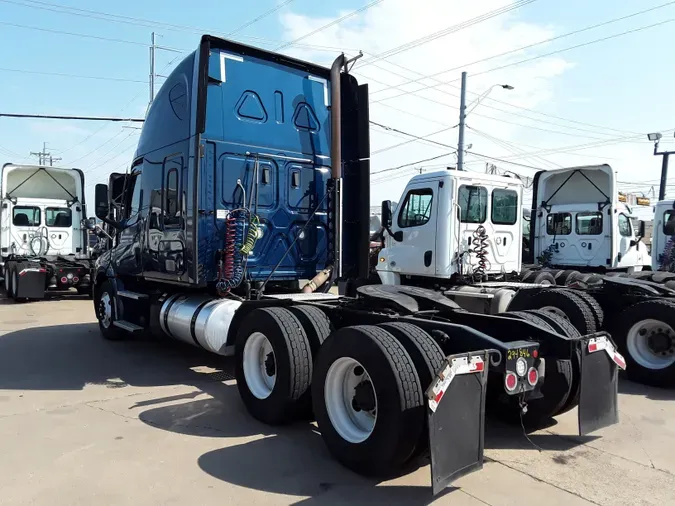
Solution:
(601, 450)
(536, 478)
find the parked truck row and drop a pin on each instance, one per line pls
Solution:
(251, 176)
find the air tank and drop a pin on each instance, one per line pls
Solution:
(199, 320)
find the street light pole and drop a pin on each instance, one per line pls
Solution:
(656, 137)
(462, 116)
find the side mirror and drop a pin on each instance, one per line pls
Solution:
(101, 201)
(386, 214)
(89, 223)
(641, 230)
(669, 227)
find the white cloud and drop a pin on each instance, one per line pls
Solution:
(537, 83)
(397, 22)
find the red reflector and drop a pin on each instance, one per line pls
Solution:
(64, 279)
(438, 397)
(43, 270)
(535, 353)
(592, 347)
(480, 366)
(511, 381)
(532, 376)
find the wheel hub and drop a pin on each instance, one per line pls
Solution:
(270, 364)
(364, 397)
(661, 343)
(651, 343)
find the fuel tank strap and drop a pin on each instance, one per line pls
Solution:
(194, 320)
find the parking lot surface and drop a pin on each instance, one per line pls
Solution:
(86, 421)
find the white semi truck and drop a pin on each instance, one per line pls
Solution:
(461, 233)
(43, 233)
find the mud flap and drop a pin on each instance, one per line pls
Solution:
(599, 383)
(456, 417)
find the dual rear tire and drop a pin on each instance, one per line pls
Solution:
(364, 384)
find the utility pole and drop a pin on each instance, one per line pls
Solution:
(152, 68)
(43, 156)
(462, 116)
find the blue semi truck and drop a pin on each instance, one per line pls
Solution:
(252, 175)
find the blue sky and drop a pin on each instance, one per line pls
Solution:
(605, 94)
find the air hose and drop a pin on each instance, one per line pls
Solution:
(41, 237)
(480, 246)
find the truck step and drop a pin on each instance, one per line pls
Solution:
(132, 295)
(128, 326)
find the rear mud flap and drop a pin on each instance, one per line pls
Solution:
(456, 409)
(599, 384)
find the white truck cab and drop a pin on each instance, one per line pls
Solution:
(577, 222)
(663, 232)
(453, 223)
(41, 212)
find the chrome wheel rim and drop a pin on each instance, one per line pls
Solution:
(105, 310)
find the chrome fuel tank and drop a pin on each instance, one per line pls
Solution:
(199, 320)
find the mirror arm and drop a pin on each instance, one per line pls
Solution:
(112, 223)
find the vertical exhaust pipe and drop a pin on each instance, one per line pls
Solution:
(336, 155)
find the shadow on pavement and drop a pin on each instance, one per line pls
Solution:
(654, 393)
(68, 357)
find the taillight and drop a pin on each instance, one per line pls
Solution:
(76, 279)
(532, 376)
(64, 279)
(511, 381)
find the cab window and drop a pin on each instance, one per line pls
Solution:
(589, 223)
(26, 216)
(559, 224)
(132, 205)
(669, 222)
(472, 204)
(416, 208)
(624, 226)
(504, 207)
(58, 217)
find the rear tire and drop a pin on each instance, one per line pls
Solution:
(379, 447)
(273, 364)
(564, 302)
(645, 335)
(596, 309)
(559, 324)
(544, 278)
(566, 276)
(8, 282)
(428, 359)
(317, 327)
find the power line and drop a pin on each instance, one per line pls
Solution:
(412, 163)
(529, 46)
(558, 51)
(147, 23)
(423, 138)
(73, 34)
(446, 31)
(78, 118)
(334, 22)
(78, 76)
(262, 16)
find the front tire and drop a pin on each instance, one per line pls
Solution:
(368, 400)
(106, 314)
